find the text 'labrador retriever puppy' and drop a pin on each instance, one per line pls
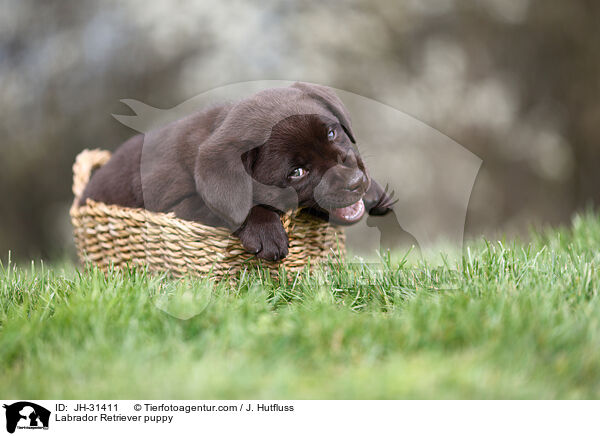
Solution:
(241, 165)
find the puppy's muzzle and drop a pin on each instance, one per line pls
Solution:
(340, 193)
(357, 182)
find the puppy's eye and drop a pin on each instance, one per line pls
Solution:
(298, 173)
(331, 134)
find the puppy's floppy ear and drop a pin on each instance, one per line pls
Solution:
(222, 180)
(327, 98)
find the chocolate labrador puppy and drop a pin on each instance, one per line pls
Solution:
(241, 165)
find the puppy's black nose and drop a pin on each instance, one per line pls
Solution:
(357, 181)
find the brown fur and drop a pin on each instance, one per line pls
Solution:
(230, 166)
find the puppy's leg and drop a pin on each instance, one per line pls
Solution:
(377, 199)
(263, 234)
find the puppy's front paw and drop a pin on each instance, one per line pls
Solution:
(264, 235)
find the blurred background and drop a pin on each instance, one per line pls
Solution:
(516, 82)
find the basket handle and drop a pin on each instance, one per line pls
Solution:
(85, 163)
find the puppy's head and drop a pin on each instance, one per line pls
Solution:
(315, 156)
(296, 144)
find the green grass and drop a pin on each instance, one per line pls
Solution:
(508, 320)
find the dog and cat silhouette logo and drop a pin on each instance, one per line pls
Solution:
(26, 415)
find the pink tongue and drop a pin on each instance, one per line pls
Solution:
(349, 214)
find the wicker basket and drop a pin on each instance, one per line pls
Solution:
(108, 235)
